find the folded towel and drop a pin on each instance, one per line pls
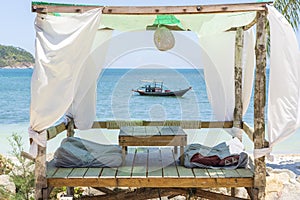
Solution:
(226, 155)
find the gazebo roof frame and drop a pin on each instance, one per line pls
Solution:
(257, 191)
(42, 7)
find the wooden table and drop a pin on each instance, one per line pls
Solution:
(153, 136)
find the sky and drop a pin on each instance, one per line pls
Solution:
(17, 20)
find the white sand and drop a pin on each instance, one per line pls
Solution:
(283, 180)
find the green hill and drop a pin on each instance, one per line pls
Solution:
(15, 57)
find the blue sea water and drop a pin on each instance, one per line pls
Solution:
(115, 99)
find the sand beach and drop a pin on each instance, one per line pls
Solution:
(283, 180)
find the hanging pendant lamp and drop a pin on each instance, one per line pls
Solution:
(163, 39)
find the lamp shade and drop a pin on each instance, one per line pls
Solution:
(163, 39)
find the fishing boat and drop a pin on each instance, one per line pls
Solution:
(156, 88)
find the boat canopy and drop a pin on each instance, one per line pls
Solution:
(151, 81)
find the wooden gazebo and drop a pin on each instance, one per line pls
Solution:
(136, 170)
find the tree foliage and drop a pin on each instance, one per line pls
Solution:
(22, 175)
(12, 56)
(290, 10)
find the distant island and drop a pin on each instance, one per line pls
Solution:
(15, 57)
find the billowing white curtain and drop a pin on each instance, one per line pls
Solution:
(83, 107)
(63, 44)
(248, 67)
(218, 61)
(284, 83)
(218, 52)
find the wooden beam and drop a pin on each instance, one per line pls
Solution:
(246, 27)
(146, 10)
(70, 128)
(188, 124)
(216, 196)
(248, 130)
(149, 193)
(70, 133)
(238, 83)
(53, 131)
(139, 194)
(40, 174)
(161, 182)
(259, 104)
(99, 124)
(105, 190)
(27, 155)
(225, 124)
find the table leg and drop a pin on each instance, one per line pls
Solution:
(181, 155)
(124, 151)
(175, 150)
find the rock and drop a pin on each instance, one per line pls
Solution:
(274, 186)
(241, 193)
(177, 198)
(282, 184)
(8, 185)
(89, 191)
(5, 165)
(290, 191)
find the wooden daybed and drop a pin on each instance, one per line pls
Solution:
(151, 168)
(147, 170)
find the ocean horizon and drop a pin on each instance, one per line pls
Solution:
(116, 101)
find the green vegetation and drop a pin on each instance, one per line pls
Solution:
(22, 175)
(20, 172)
(63, 190)
(14, 56)
(5, 168)
(5, 165)
(290, 10)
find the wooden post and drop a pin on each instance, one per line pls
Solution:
(70, 133)
(40, 174)
(259, 105)
(70, 128)
(238, 74)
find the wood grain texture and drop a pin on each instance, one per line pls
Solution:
(238, 77)
(146, 10)
(259, 104)
(151, 168)
(40, 173)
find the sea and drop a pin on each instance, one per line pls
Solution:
(117, 101)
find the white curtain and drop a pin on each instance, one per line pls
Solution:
(83, 107)
(218, 59)
(284, 83)
(63, 44)
(248, 67)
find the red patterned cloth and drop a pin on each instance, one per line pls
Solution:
(215, 161)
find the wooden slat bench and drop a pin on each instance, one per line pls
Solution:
(149, 167)
(156, 168)
(153, 136)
